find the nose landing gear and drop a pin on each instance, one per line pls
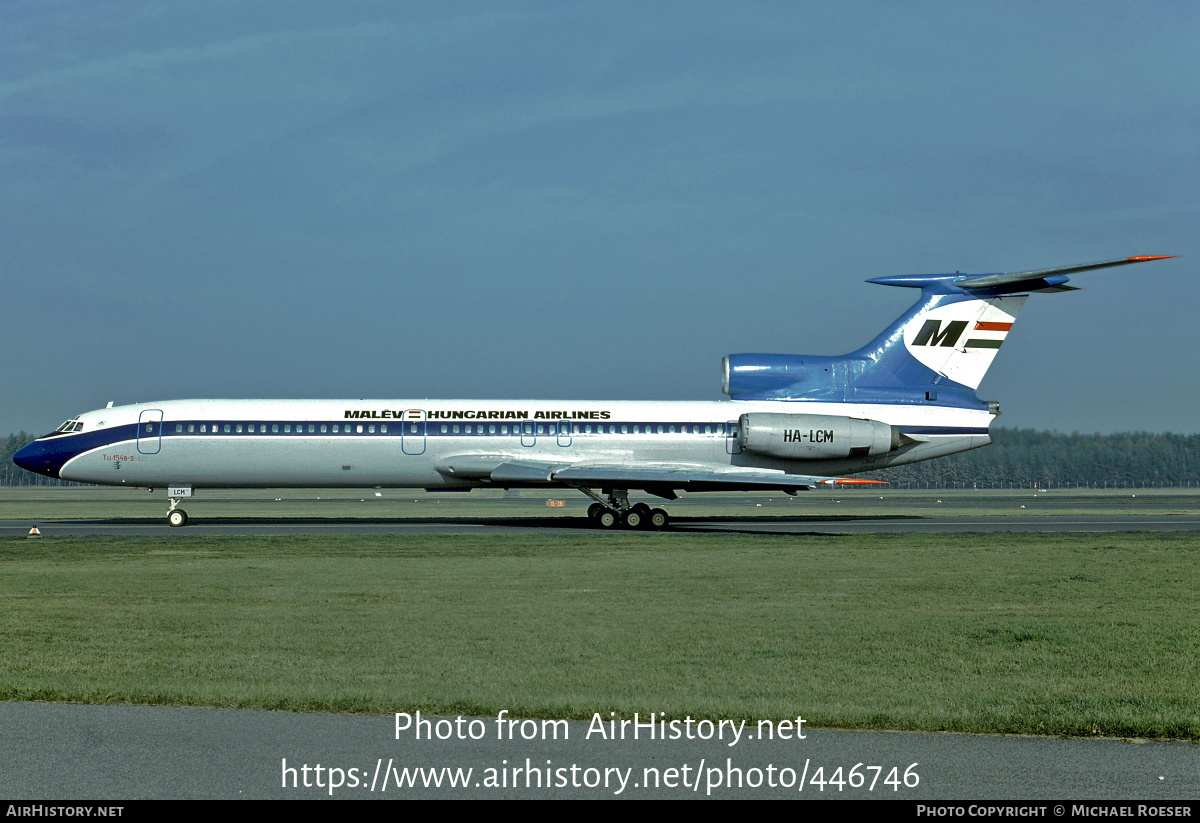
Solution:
(176, 516)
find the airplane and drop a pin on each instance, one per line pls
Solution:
(791, 423)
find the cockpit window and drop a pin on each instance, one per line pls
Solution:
(72, 425)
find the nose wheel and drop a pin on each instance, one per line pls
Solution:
(175, 515)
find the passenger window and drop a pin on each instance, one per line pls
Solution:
(467, 429)
(312, 428)
(228, 428)
(371, 429)
(383, 428)
(359, 428)
(491, 429)
(203, 428)
(178, 427)
(274, 428)
(456, 429)
(541, 429)
(504, 429)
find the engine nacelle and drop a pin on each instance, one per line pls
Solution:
(815, 436)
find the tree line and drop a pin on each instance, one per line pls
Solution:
(1022, 458)
(1016, 458)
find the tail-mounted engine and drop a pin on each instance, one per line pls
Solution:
(815, 436)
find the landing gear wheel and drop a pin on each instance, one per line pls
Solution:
(633, 518)
(658, 519)
(594, 511)
(608, 519)
(177, 517)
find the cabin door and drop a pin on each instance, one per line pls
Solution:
(149, 431)
(412, 432)
(731, 438)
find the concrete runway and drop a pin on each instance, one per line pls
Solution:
(66, 751)
(767, 524)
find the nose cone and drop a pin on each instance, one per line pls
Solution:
(42, 457)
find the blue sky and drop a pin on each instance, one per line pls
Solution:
(585, 200)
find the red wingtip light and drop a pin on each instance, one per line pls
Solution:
(1145, 257)
(857, 481)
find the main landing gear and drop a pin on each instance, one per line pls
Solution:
(616, 513)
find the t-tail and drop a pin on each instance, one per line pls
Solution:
(936, 353)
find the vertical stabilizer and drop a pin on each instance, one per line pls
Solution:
(937, 352)
(960, 340)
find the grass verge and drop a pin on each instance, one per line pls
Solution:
(1039, 634)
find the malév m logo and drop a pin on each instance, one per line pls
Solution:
(931, 334)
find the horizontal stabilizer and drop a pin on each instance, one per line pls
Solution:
(1035, 280)
(991, 280)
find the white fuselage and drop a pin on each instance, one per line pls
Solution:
(401, 443)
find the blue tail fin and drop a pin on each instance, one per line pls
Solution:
(937, 352)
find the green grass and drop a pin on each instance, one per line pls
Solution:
(1041, 634)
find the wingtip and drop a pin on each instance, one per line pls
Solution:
(1144, 257)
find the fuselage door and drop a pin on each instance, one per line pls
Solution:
(528, 434)
(149, 431)
(564, 432)
(412, 433)
(731, 438)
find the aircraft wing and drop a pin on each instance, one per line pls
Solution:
(682, 477)
(662, 480)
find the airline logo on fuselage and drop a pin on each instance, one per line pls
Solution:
(476, 414)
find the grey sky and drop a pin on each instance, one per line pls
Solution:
(585, 200)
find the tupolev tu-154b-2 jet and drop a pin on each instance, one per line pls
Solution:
(792, 422)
